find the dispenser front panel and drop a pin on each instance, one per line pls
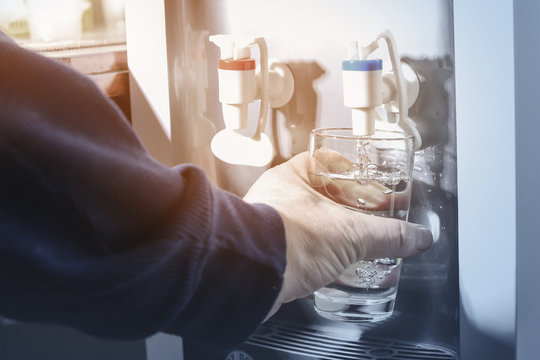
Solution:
(311, 38)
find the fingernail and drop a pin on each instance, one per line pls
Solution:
(425, 238)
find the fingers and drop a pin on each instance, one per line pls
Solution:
(377, 236)
(329, 161)
(373, 236)
(368, 195)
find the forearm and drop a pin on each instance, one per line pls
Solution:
(96, 234)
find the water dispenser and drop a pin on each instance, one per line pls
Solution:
(469, 70)
(441, 311)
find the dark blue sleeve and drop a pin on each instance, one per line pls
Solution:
(97, 235)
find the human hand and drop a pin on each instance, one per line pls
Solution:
(324, 238)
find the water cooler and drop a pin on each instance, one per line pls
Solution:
(473, 295)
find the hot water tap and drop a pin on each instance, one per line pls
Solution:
(240, 84)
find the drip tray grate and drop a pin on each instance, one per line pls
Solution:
(317, 344)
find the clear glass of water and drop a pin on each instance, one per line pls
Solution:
(373, 175)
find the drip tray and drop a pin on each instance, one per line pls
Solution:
(293, 342)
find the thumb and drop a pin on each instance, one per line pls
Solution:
(385, 237)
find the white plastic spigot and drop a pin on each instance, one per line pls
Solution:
(363, 87)
(236, 73)
(362, 92)
(238, 86)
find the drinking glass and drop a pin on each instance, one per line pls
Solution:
(373, 175)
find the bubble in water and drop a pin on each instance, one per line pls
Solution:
(386, 261)
(388, 192)
(361, 202)
(370, 273)
(372, 167)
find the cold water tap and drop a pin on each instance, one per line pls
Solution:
(366, 87)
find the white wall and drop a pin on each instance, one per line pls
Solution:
(485, 106)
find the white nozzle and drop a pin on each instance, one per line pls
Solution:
(363, 121)
(235, 116)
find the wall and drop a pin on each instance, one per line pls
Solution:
(486, 177)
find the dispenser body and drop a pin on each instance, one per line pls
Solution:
(427, 318)
(315, 55)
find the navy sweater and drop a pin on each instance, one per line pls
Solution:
(97, 235)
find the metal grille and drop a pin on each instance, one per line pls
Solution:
(321, 345)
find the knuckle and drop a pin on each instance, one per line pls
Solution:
(399, 234)
(403, 243)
